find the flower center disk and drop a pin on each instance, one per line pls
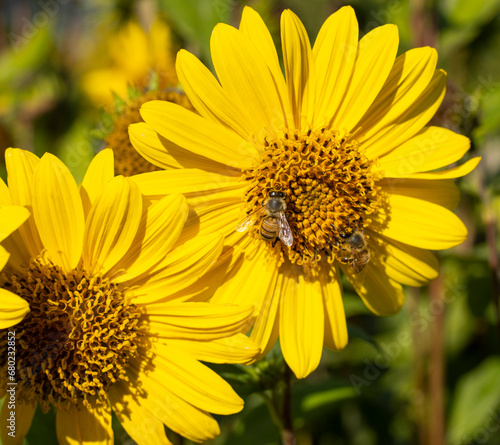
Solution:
(330, 190)
(76, 341)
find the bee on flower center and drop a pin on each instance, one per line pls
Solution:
(356, 247)
(272, 219)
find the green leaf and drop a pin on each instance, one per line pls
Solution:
(465, 12)
(476, 401)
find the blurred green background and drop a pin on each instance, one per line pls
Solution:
(431, 374)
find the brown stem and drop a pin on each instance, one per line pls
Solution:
(419, 347)
(287, 432)
(436, 364)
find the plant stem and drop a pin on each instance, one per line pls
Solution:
(436, 364)
(287, 432)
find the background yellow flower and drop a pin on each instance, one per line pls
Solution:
(100, 270)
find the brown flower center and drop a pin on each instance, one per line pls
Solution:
(76, 341)
(330, 191)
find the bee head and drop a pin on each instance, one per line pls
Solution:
(276, 194)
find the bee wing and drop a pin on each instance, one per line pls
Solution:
(285, 233)
(249, 220)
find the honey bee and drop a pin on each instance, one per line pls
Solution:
(356, 246)
(273, 222)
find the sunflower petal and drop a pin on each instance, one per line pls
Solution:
(443, 192)
(24, 417)
(197, 321)
(199, 135)
(409, 265)
(21, 165)
(421, 224)
(181, 268)
(234, 349)
(206, 94)
(195, 383)
(335, 322)
(4, 194)
(99, 173)
(161, 226)
(188, 180)
(451, 173)
(301, 323)
(409, 123)
(58, 212)
(131, 410)
(431, 148)
(381, 294)
(89, 424)
(112, 224)
(299, 68)
(408, 79)
(177, 414)
(254, 28)
(375, 58)
(246, 79)
(334, 53)
(11, 217)
(12, 309)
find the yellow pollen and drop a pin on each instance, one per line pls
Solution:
(127, 161)
(330, 189)
(77, 340)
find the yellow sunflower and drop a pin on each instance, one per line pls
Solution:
(98, 267)
(12, 308)
(131, 56)
(340, 141)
